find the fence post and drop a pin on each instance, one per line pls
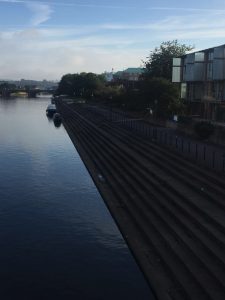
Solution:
(223, 162)
(196, 151)
(165, 138)
(204, 152)
(213, 159)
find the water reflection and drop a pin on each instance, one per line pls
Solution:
(57, 239)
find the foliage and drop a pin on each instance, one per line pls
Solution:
(204, 129)
(159, 63)
(80, 85)
(110, 93)
(161, 96)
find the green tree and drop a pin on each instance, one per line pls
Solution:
(65, 86)
(80, 85)
(161, 96)
(159, 63)
(110, 93)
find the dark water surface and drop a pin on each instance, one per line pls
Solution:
(57, 239)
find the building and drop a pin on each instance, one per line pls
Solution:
(108, 76)
(130, 74)
(201, 76)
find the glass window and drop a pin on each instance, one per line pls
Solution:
(218, 69)
(198, 71)
(176, 74)
(176, 61)
(190, 58)
(189, 74)
(199, 56)
(210, 55)
(219, 52)
(209, 71)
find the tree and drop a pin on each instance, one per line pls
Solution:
(159, 63)
(162, 96)
(80, 85)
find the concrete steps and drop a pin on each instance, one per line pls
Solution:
(176, 230)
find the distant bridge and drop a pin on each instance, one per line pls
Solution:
(31, 93)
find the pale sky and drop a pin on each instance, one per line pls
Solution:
(46, 39)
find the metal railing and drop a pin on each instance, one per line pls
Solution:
(200, 152)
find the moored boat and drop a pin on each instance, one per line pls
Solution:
(57, 119)
(51, 110)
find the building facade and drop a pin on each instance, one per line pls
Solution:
(130, 74)
(201, 76)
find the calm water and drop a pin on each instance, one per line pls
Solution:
(57, 239)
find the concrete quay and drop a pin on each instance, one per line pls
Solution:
(169, 210)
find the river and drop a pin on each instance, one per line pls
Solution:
(57, 238)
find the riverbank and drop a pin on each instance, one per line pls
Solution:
(170, 211)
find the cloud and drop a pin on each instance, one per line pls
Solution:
(41, 12)
(41, 57)
(188, 9)
(98, 47)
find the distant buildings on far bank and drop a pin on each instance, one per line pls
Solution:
(35, 84)
(130, 74)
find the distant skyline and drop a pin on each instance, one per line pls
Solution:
(47, 39)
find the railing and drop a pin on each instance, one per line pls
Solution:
(200, 152)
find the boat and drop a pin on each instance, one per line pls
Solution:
(57, 119)
(51, 110)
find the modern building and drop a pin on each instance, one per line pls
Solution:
(201, 76)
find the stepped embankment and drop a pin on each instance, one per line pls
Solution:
(170, 211)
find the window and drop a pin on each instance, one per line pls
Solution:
(209, 71)
(176, 74)
(199, 56)
(210, 55)
(177, 62)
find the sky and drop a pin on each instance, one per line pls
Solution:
(47, 39)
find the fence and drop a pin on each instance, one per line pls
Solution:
(200, 152)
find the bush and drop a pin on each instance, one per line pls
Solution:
(204, 129)
(184, 119)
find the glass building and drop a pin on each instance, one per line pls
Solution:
(201, 76)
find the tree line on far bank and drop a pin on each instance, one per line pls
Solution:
(154, 90)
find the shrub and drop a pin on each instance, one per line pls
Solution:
(204, 129)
